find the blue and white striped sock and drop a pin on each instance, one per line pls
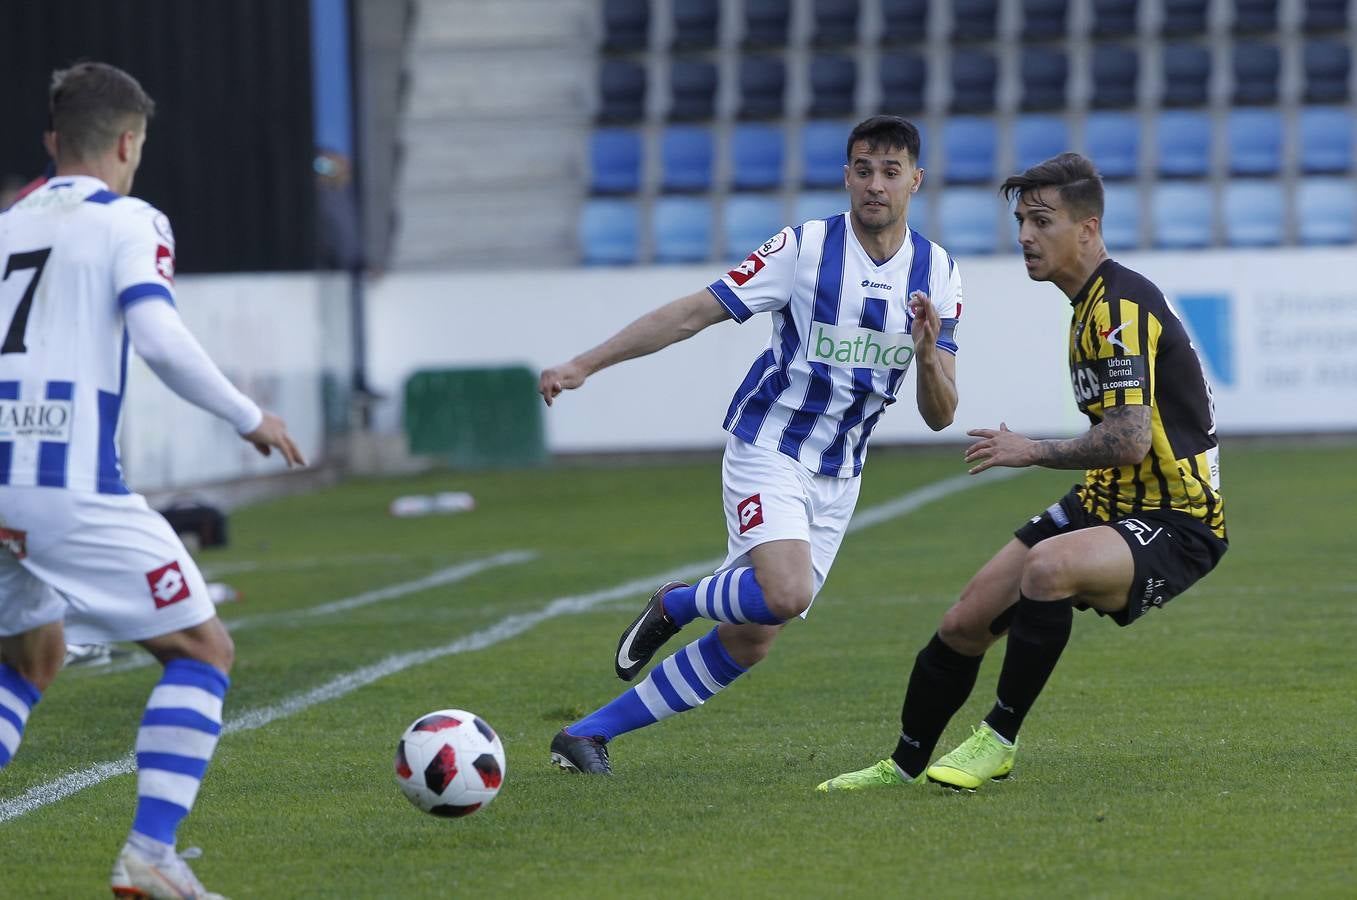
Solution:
(730, 596)
(177, 738)
(17, 696)
(683, 681)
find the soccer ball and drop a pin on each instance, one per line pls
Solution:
(450, 763)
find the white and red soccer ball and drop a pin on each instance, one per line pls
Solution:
(450, 763)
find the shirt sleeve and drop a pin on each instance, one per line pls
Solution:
(947, 302)
(1125, 360)
(176, 357)
(143, 254)
(764, 281)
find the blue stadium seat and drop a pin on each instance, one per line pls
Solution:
(1182, 216)
(1114, 18)
(1115, 70)
(967, 220)
(1112, 141)
(920, 210)
(1043, 19)
(1325, 139)
(765, 22)
(833, 82)
(763, 81)
(695, 24)
(626, 24)
(1254, 16)
(686, 158)
(609, 232)
(904, 76)
(1038, 138)
(615, 161)
(1121, 216)
(969, 144)
(1044, 73)
(1327, 211)
(1187, 71)
(682, 229)
(1325, 15)
(622, 88)
(756, 154)
(904, 21)
(692, 86)
(1256, 70)
(1255, 214)
(819, 205)
(835, 22)
(1326, 71)
(1184, 143)
(822, 153)
(974, 73)
(1184, 17)
(749, 220)
(1254, 139)
(974, 20)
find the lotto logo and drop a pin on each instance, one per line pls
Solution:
(750, 513)
(164, 262)
(168, 585)
(746, 270)
(16, 542)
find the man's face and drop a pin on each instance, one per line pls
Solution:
(879, 185)
(1047, 233)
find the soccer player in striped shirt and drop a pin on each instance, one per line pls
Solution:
(855, 300)
(88, 272)
(1146, 523)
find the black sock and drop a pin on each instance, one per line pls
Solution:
(940, 683)
(1036, 639)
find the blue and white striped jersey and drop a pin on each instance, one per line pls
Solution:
(74, 256)
(840, 345)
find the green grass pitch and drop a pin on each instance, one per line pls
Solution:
(1207, 751)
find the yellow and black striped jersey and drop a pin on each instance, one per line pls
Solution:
(1128, 347)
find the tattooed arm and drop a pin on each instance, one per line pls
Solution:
(1122, 438)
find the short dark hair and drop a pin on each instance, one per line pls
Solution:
(885, 133)
(90, 104)
(1081, 187)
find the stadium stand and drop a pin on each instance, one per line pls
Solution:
(765, 22)
(692, 87)
(1044, 73)
(1254, 141)
(904, 79)
(1184, 17)
(609, 232)
(1326, 211)
(1182, 216)
(1325, 15)
(1121, 217)
(682, 229)
(822, 153)
(974, 20)
(622, 90)
(833, 82)
(615, 161)
(1327, 64)
(1256, 70)
(904, 21)
(1038, 137)
(1043, 19)
(763, 81)
(747, 221)
(835, 22)
(1255, 214)
(969, 147)
(695, 23)
(686, 158)
(1254, 16)
(1114, 18)
(1112, 141)
(1325, 139)
(1115, 70)
(626, 25)
(818, 205)
(974, 73)
(1184, 141)
(757, 152)
(1187, 72)
(967, 220)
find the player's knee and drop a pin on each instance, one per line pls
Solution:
(787, 599)
(749, 645)
(1046, 574)
(963, 632)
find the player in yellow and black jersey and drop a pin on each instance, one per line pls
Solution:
(1147, 522)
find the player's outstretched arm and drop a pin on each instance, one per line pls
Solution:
(1122, 438)
(165, 343)
(936, 392)
(657, 329)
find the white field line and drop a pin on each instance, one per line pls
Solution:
(442, 577)
(509, 627)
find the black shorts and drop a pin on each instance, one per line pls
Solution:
(1171, 549)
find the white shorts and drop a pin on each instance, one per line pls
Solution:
(106, 563)
(768, 496)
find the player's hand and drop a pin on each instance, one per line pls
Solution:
(998, 448)
(926, 325)
(565, 377)
(271, 433)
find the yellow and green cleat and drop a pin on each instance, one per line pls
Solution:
(981, 757)
(882, 774)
